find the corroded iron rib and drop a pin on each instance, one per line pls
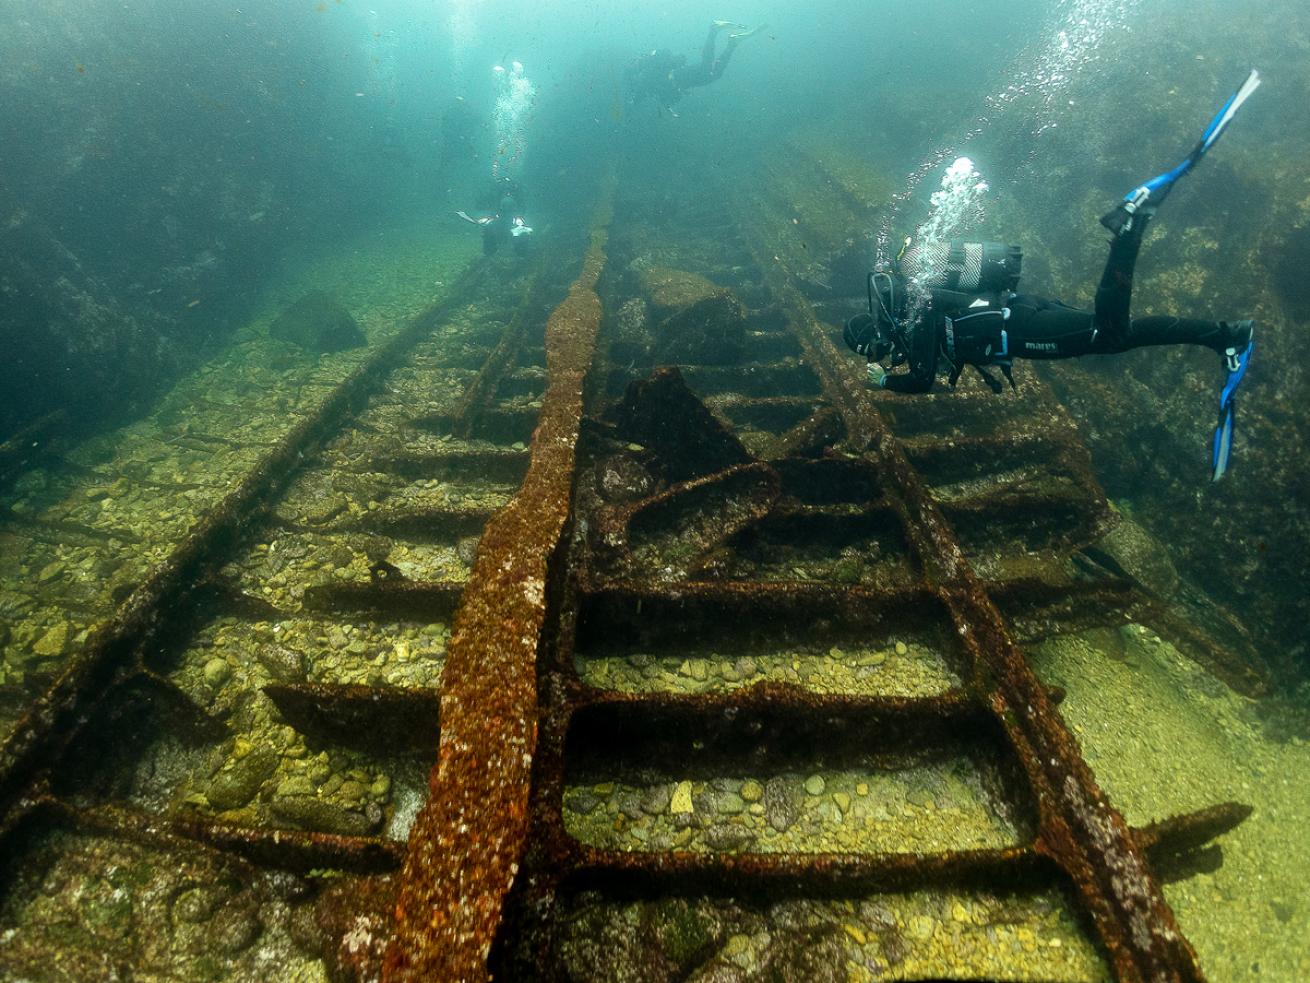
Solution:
(283, 849)
(468, 840)
(369, 716)
(756, 874)
(498, 364)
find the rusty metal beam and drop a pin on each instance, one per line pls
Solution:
(468, 840)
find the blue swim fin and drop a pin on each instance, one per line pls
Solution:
(1154, 191)
(1222, 445)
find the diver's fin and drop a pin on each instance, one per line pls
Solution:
(1236, 361)
(747, 32)
(1150, 195)
(1222, 445)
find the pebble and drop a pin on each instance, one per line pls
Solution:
(814, 785)
(902, 648)
(751, 790)
(862, 788)
(843, 801)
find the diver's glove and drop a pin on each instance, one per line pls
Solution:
(519, 228)
(877, 375)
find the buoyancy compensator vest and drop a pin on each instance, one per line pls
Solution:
(971, 283)
(973, 333)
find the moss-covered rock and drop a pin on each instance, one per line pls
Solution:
(318, 323)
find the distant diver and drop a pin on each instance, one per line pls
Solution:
(501, 217)
(955, 301)
(665, 77)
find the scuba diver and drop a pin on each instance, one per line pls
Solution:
(665, 77)
(953, 304)
(501, 220)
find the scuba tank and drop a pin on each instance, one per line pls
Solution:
(963, 267)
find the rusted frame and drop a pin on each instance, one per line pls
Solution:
(1078, 828)
(53, 717)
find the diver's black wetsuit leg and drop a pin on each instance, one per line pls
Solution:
(707, 49)
(1118, 331)
(720, 63)
(709, 68)
(1114, 295)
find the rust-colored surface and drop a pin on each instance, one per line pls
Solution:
(467, 843)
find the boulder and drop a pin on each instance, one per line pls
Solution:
(318, 323)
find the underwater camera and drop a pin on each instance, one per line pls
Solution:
(965, 267)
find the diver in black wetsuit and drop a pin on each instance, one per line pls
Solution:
(977, 320)
(964, 311)
(502, 219)
(665, 77)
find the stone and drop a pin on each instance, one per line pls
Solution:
(843, 801)
(284, 665)
(730, 803)
(217, 671)
(321, 816)
(656, 800)
(780, 806)
(921, 927)
(814, 785)
(751, 790)
(241, 779)
(318, 323)
(1130, 550)
(902, 648)
(52, 642)
(680, 803)
(728, 838)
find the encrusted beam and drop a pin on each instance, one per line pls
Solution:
(468, 840)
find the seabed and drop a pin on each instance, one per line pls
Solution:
(239, 776)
